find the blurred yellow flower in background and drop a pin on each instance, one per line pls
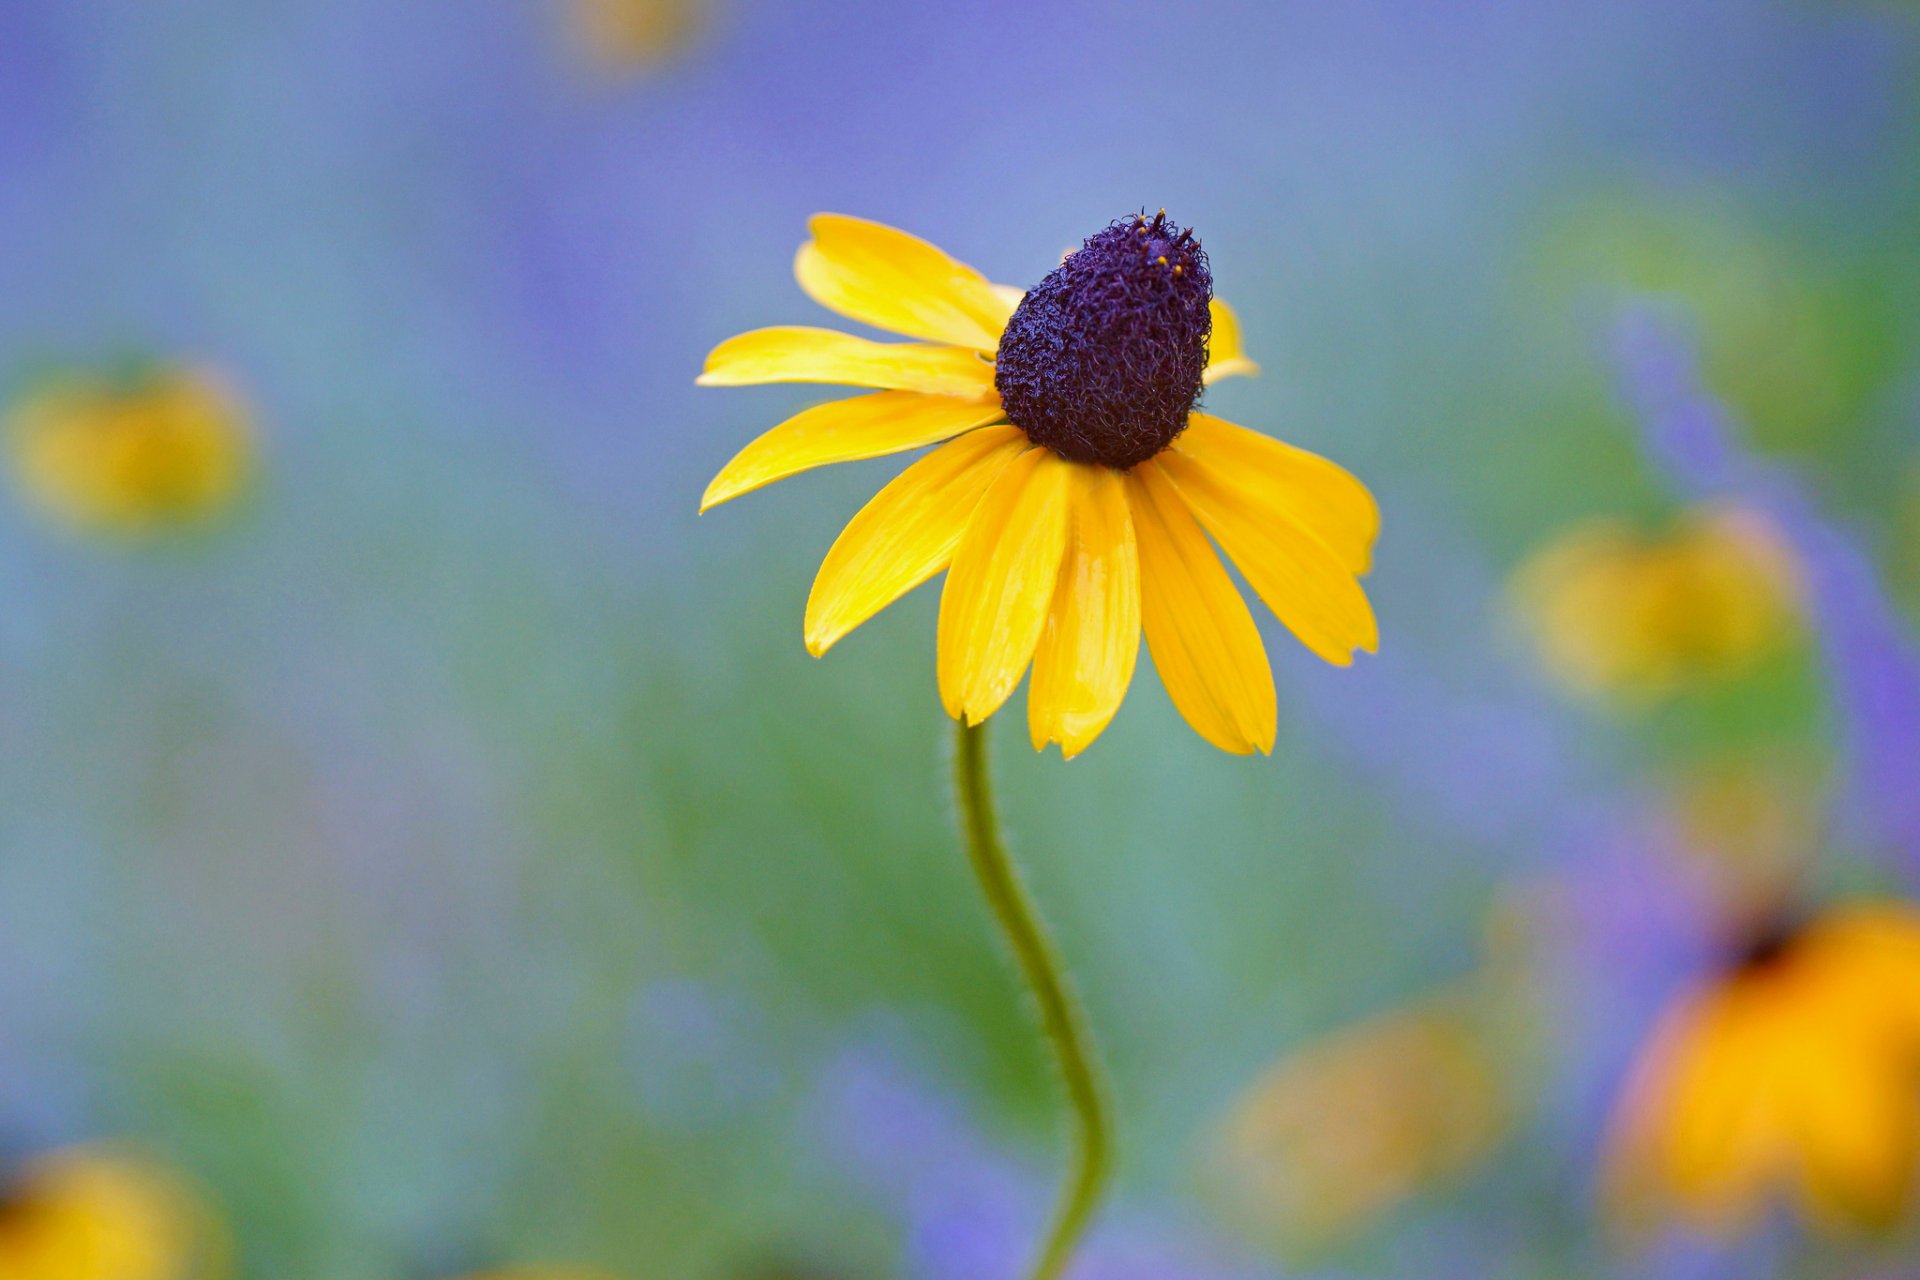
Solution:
(1793, 1074)
(93, 1213)
(1620, 614)
(1344, 1130)
(1075, 493)
(1746, 828)
(1341, 1131)
(132, 454)
(634, 35)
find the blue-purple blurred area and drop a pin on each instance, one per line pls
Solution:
(456, 857)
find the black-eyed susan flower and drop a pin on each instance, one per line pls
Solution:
(132, 453)
(1075, 484)
(1794, 1074)
(94, 1213)
(1347, 1127)
(1745, 826)
(1342, 1130)
(1620, 614)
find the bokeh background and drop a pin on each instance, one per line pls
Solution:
(449, 855)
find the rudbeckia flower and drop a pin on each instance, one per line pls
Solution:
(1340, 1131)
(133, 454)
(1794, 1073)
(1346, 1128)
(1618, 613)
(1744, 827)
(1075, 484)
(91, 1213)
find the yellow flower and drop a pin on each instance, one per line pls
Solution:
(133, 455)
(634, 35)
(1075, 485)
(1795, 1073)
(1617, 613)
(91, 1213)
(1341, 1131)
(1745, 826)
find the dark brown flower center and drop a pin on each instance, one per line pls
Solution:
(1102, 360)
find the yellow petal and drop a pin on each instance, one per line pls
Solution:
(1322, 497)
(1295, 573)
(1086, 655)
(1001, 583)
(796, 353)
(906, 534)
(1853, 1113)
(1202, 638)
(1705, 1126)
(1637, 1161)
(1226, 358)
(886, 278)
(1011, 295)
(96, 1212)
(1888, 938)
(847, 430)
(1724, 1140)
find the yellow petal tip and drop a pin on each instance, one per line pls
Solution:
(1069, 748)
(1072, 740)
(1232, 367)
(717, 493)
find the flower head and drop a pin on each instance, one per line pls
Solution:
(1075, 486)
(1339, 1132)
(1102, 361)
(1621, 614)
(1745, 827)
(1793, 1072)
(94, 1214)
(134, 454)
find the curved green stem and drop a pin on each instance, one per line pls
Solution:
(1060, 1014)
